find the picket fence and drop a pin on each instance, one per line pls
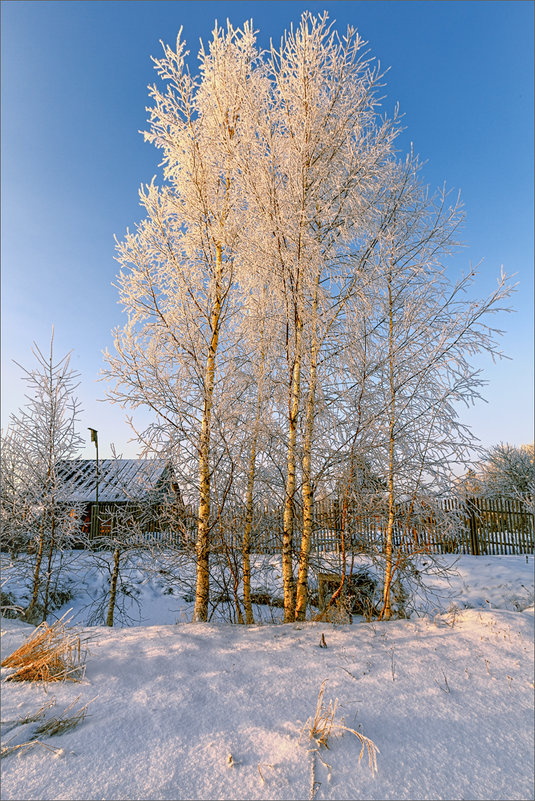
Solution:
(478, 526)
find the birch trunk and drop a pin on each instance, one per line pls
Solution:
(308, 492)
(202, 592)
(113, 586)
(386, 612)
(246, 547)
(288, 517)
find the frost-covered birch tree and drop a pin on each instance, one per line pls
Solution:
(178, 282)
(426, 330)
(320, 155)
(284, 212)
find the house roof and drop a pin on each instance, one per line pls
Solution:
(119, 480)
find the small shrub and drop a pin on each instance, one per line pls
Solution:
(356, 598)
(261, 598)
(222, 598)
(337, 613)
(313, 599)
(8, 607)
(401, 598)
(264, 598)
(59, 596)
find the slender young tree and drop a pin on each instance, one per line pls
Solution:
(320, 153)
(44, 433)
(178, 279)
(426, 330)
(257, 362)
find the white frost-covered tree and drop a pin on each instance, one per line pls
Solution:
(15, 505)
(508, 471)
(42, 435)
(289, 309)
(425, 330)
(311, 178)
(179, 280)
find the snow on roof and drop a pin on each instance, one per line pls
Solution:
(119, 480)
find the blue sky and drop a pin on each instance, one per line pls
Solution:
(74, 78)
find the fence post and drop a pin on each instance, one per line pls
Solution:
(472, 526)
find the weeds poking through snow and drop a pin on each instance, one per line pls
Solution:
(348, 672)
(265, 765)
(8, 725)
(322, 724)
(11, 749)
(446, 688)
(59, 724)
(453, 614)
(62, 723)
(51, 653)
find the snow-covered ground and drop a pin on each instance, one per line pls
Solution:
(159, 588)
(185, 710)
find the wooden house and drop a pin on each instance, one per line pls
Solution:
(105, 492)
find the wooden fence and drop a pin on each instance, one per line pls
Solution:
(478, 526)
(497, 526)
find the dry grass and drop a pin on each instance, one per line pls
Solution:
(322, 725)
(53, 726)
(51, 653)
(7, 725)
(61, 723)
(12, 749)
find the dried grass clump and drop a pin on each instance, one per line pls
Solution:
(322, 724)
(51, 653)
(51, 727)
(61, 723)
(7, 725)
(12, 749)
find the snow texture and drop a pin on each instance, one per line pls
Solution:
(214, 711)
